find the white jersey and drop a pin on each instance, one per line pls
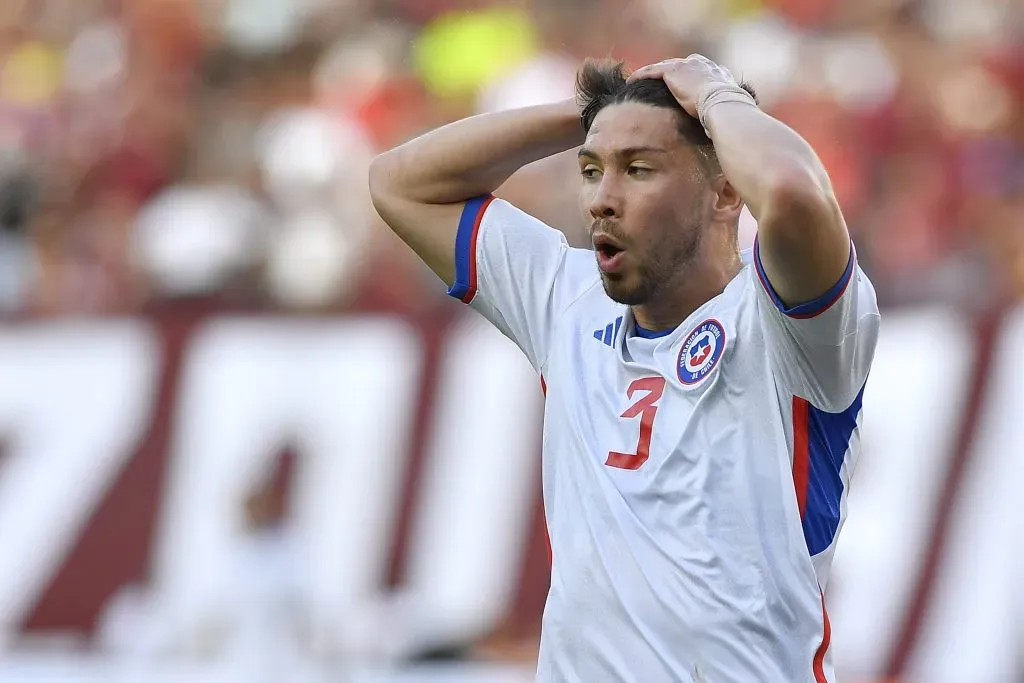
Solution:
(694, 483)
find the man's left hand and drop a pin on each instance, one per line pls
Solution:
(687, 77)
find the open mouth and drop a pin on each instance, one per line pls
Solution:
(606, 246)
(609, 253)
(608, 250)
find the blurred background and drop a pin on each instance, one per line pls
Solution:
(244, 435)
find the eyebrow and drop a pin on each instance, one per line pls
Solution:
(624, 152)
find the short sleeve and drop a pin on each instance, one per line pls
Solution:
(821, 350)
(517, 272)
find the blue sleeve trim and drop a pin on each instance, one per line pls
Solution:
(809, 309)
(465, 285)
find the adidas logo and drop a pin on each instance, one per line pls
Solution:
(608, 333)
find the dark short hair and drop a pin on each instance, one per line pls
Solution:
(600, 83)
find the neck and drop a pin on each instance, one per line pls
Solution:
(694, 285)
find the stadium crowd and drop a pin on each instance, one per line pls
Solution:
(167, 148)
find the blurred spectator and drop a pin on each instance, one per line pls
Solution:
(146, 144)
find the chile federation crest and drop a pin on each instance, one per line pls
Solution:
(701, 352)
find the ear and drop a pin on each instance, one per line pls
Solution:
(727, 202)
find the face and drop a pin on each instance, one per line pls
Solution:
(646, 198)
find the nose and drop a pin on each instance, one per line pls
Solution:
(606, 201)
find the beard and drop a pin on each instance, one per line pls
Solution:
(633, 288)
(655, 270)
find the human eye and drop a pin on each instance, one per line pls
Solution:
(590, 172)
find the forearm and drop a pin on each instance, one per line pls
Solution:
(804, 244)
(763, 158)
(475, 156)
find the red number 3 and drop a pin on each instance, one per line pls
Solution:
(646, 408)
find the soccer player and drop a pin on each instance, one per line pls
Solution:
(702, 408)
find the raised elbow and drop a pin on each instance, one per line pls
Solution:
(800, 186)
(382, 176)
(799, 197)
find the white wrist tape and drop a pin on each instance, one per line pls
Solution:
(717, 93)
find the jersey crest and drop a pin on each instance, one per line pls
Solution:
(701, 352)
